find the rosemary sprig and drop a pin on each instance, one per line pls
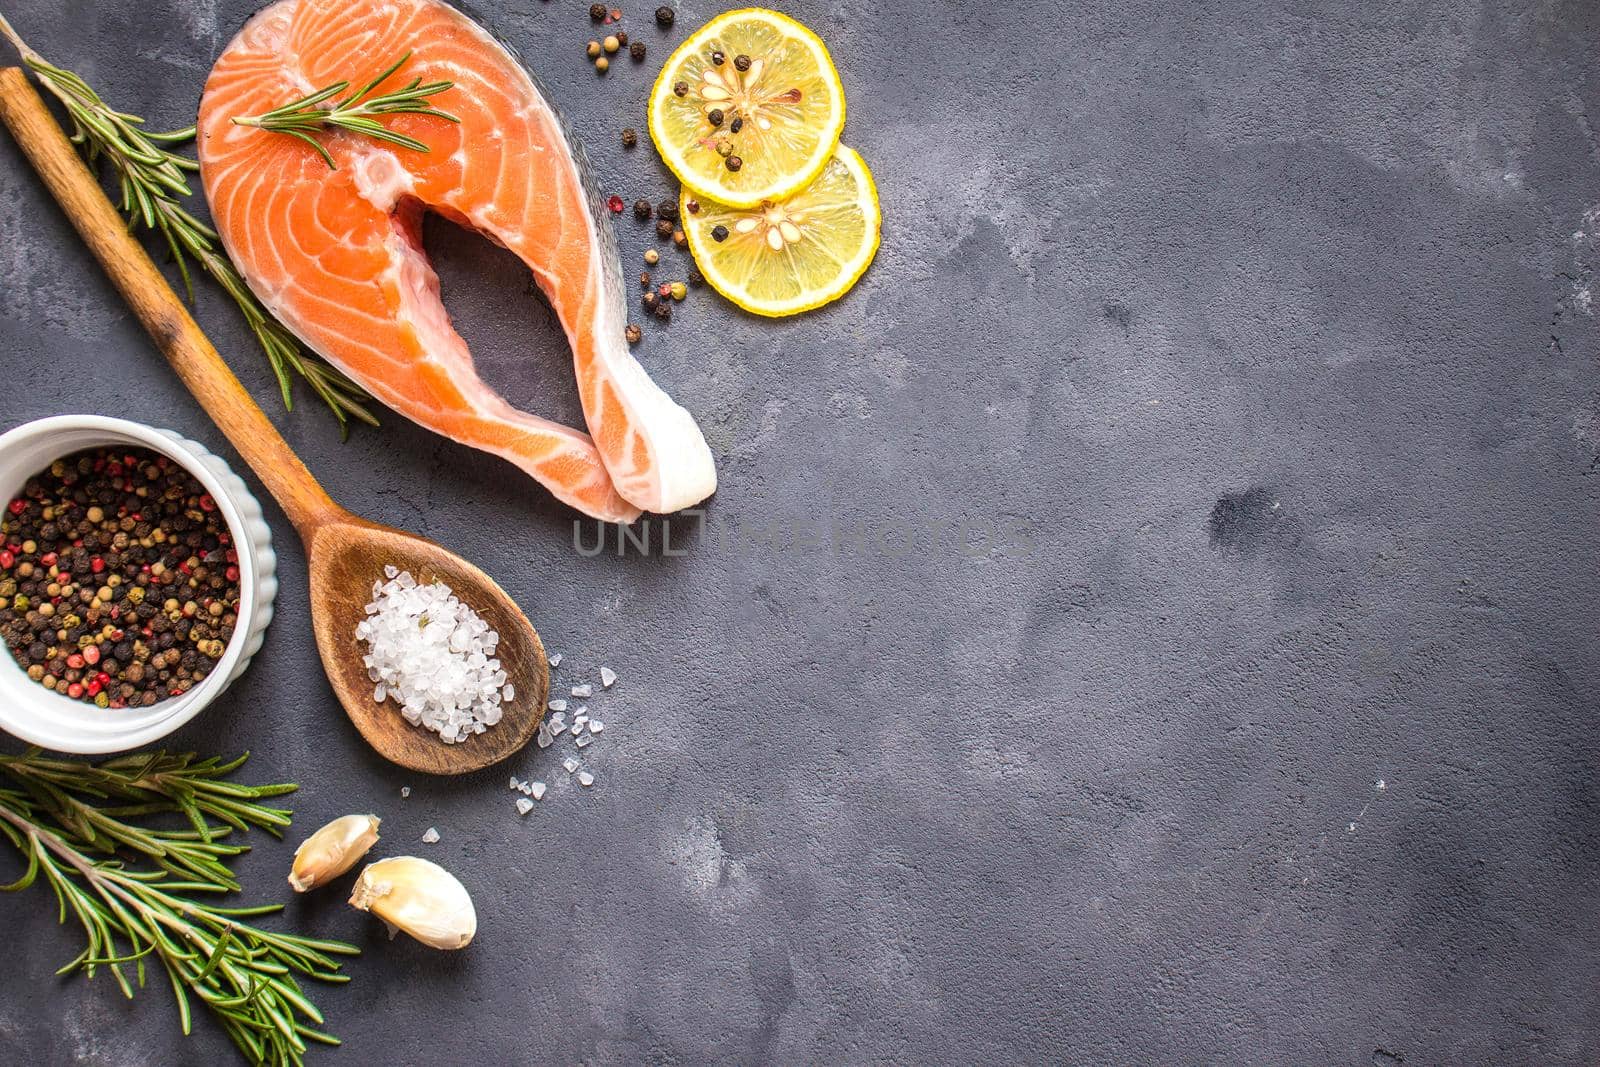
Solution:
(133, 889)
(356, 113)
(154, 184)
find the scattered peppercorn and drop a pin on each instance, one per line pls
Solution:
(593, 49)
(597, 12)
(602, 64)
(680, 238)
(93, 592)
(695, 277)
(741, 62)
(664, 16)
(641, 210)
(651, 256)
(611, 44)
(664, 310)
(664, 229)
(644, 279)
(668, 209)
(714, 116)
(630, 137)
(719, 232)
(693, 206)
(724, 147)
(717, 58)
(679, 290)
(616, 15)
(622, 39)
(734, 162)
(650, 300)
(637, 50)
(633, 333)
(736, 125)
(615, 204)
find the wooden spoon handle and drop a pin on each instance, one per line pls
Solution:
(159, 308)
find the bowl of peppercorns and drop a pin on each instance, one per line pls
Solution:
(137, 579)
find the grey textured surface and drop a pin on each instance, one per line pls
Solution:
(1215, 436)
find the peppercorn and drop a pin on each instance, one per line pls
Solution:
(593, 49)
(679, 290)
(664, 16)
(680, 238)
(611, 44)
(668, 209)
(741, 62)
(630, 137)
(714, 116)
(622, 39)
(724, 147)
(717, 58)
(734, 162)
(663, 229)
(680, 88)
(719, 232)
(636, 50)
(693, 206)
(644, 279)
(616, 14)
(650, 300)
(651, 256)
(597, 12)
(633, 333)
(602, 64)
(736, 125)
(641, 209)
(664, 310)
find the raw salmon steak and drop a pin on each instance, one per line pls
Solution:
(337, 254)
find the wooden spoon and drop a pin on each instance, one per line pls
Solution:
(345, 553)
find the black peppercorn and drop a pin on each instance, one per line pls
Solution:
(717, 58)
(664, 16)
(736, 125)
(664, 310)
(650, 300)
(636, 50)
(644, 279)
(680, 88)
(742, 62)
(664, 229)
(719, 232)
(630, 137)
(714, 116)
(633, 333)
(641, 210)
(734, 162)
(597, 12)
(622, 39)
(668, 209)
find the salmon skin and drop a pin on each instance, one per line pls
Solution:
(336, 254)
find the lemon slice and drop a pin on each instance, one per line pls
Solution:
(787, 256)
(787, 105)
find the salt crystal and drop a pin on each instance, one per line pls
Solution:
(596, 726)
(526, 788)
(514, 783)
(557, 728)
(557, 705)
(432, 655)
(524, 805)
(555, 659)
(405, 791)
(583, 690)
(538, 791)
(607, 677)
(570, 764)
(546, 736)
(509, 693)
(577, 724)
(584, 740)
(586, 779)
(429, 836)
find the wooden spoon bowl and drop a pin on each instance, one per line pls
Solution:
(345, 557)
(345, 553)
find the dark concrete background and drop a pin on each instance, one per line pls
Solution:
(1215, 436)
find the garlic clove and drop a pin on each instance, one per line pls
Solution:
(419, 897)
(332, 850)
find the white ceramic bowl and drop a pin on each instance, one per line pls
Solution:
(30, 711)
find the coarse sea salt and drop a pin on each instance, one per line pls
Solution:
(524, 805)
(430, 836)
(557, 705)
(585, 779)
(570, 764)
(538, 790)
(555, 659)
(584, 690)
(434, 656)
(607, 677)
